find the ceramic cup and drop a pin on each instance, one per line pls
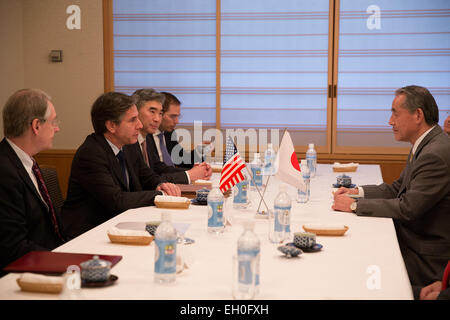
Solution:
(202, 195)
(344, 180)
(95, 270)
(304, 239)
(151, 227)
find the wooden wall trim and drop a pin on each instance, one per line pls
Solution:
(108, 46)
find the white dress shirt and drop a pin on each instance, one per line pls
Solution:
(27, 163)
(116, 151)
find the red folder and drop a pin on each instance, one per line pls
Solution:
(53, 262)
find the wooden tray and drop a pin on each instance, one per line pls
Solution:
(172, 205)
(202, 183)
(40, 287)
(133, 240)
(345, 169)
(327, 232)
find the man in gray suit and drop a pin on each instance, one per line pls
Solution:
(418, 201)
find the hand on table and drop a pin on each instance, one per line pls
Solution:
(343, 190)
(431, 291)
(342, 202)
(200, 171)
(170, 189)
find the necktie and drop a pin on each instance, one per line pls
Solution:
(46, 197)
(165, 153)
(123, 166)
(144, 152)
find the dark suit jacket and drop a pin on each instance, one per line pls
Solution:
(97, 190)
(169, 173)
(419, 203)
(25, 223)
(189, 157)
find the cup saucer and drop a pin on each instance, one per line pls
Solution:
(314, 248)
(199, 203)
(98, 284)
(351, 186)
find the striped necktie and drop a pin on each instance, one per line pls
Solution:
(144, 152)
(46, 197)
(162, 145)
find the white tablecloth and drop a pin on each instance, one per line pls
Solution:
(365, 263)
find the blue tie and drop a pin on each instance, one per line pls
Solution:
(123, 166)
(165, 153)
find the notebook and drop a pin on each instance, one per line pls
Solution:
(53, 262)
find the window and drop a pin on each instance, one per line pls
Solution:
(384, 45)
(326, 70)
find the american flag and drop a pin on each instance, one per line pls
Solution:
(232, 167)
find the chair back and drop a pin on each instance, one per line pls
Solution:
(51, 181)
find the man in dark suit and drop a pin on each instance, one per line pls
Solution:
(179, 156)
(28, 219)
(419, 201)
(149, 104)
(107, 179)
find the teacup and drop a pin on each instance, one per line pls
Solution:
(344, 180)
(304, 239)
(151, 227)
(202, 195)
(95, 270)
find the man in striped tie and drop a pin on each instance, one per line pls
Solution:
(28, 219)
(149, 104)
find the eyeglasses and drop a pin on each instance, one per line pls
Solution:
(55, 123)
(175, 116)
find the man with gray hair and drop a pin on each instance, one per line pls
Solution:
(28, 219)
(149, 104)
(418, 201)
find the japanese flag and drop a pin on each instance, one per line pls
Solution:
(288, 168)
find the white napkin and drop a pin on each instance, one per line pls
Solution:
(160, 198)
(39, 278)
(124, 232)
(201, 181)
(344, 165)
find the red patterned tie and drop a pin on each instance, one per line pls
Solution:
(144, 152)
(46, 196)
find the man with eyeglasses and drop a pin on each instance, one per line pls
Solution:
(149, 104)
(107, 179)
(419, 200)
(28, 219)
(169, 149)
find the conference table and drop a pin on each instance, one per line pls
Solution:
(364, 263)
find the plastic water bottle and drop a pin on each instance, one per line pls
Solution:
(282, 216)
(248, 245)
(215, 210)
(165, 250)
(240, 194)
(311, 159)
(256, 167)
(303, 196)
(269, 160)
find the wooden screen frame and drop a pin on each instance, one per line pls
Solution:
(331, 149)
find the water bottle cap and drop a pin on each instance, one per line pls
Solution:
(256, 155)
(311, 146)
